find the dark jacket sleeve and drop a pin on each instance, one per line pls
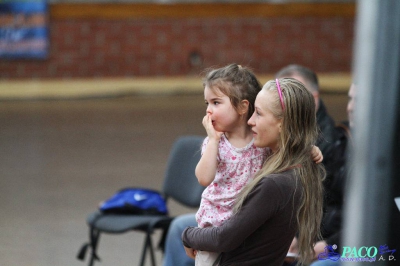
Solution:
(234, 231)
(335, 239)
(337, 171)
(327, 135)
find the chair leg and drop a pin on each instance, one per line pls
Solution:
(94, 240)
(144, 251)
(148, 245)
(153, 259)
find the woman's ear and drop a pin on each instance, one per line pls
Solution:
(244, 107)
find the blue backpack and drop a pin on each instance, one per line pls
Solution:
(135, 201)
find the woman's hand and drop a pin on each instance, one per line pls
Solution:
(293, 251)
(319, 248)
(316, 154)
(211, 132)
(190, 252)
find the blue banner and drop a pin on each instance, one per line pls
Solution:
(23, 29)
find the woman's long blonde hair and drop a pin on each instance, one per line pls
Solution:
(298, 135)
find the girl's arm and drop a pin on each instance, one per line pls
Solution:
(207, 166)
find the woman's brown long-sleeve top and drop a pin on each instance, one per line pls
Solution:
(263, 229)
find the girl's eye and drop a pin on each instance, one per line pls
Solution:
(216, 103)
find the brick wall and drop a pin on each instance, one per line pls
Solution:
(95, 46)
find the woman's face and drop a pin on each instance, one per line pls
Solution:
(265, 126)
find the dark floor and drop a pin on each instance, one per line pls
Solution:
(58, 159)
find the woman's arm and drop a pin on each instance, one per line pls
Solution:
(249, 218)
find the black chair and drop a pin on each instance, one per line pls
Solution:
(180, 183)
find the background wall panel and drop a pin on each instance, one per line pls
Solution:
(181, 39)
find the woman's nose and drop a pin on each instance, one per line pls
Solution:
(250, 122)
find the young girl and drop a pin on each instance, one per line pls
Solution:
(229, 158)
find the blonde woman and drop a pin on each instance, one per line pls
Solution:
(285, 196)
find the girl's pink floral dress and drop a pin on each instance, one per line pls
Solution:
(236, 167)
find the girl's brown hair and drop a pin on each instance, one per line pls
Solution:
(237, 82)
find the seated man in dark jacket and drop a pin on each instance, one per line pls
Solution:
(325, 122)
(334, 190)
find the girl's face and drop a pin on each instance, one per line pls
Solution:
(219, 107)
(265, 126)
